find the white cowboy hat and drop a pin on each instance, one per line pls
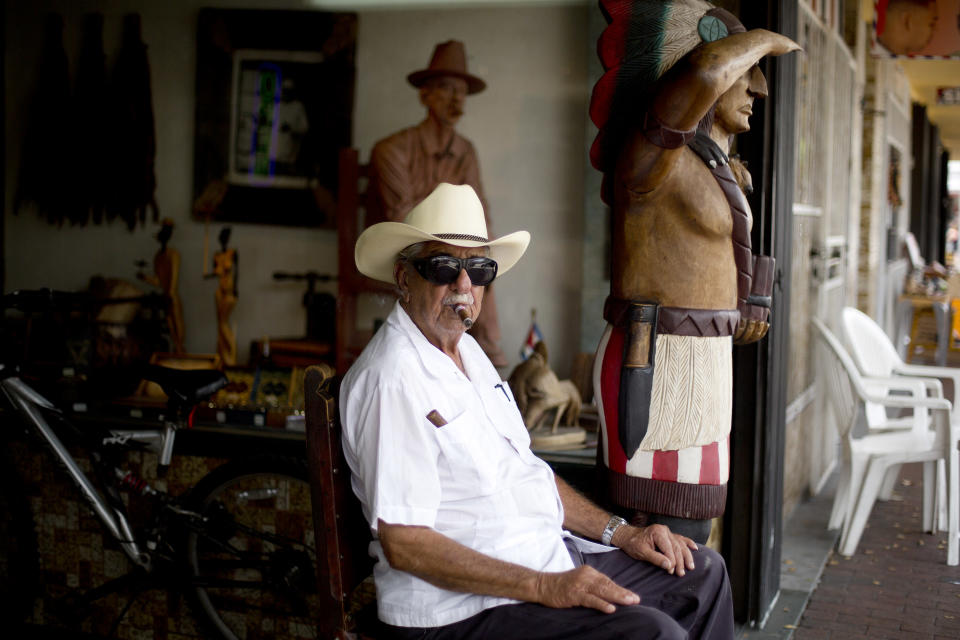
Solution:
(452, 215)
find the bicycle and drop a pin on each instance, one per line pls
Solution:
(238, 545)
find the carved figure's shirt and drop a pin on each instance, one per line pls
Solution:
(405, 168)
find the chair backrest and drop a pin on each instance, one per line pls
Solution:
(341, 532)
(840, 379)
(351, 284)
(873, 353)
(871, 347)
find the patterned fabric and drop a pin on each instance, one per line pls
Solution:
(691, 406)
(692, 394)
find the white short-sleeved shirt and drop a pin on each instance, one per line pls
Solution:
(474, 479)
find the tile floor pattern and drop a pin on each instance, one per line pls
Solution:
(897, 585)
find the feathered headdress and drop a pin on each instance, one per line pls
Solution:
(643, 40)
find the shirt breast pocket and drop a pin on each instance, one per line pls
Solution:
(467, 456)
(503, 412)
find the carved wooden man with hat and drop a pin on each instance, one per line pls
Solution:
(681, 78)
(405, 167)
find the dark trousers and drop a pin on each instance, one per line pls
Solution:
(698, 605)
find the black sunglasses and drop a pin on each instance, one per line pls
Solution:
(444, 269)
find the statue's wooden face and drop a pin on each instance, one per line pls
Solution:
(735, 107)
(444, 98)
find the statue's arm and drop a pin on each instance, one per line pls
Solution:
(687, 93)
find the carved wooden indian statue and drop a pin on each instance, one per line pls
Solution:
(680, 80)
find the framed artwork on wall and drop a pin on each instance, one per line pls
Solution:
(274, 107)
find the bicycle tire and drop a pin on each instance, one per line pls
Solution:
(252, 564)
(18, 551)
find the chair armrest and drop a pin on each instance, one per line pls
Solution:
(911, 403)
(928, 371)
(916, 387)
(933, 385)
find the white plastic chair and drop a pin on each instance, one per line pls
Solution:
(868, 457)
(876, 356)
(877, 421)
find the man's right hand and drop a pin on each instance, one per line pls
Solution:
(582, 587)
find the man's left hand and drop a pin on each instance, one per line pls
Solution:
(657, 545)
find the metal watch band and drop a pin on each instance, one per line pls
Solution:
(612, 525)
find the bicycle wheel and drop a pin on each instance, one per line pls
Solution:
(252, 561)
(18, 550)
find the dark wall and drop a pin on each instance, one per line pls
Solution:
(753, 520)
(3, 141)
(928, 214)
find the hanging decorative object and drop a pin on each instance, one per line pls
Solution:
(90, 126)
(44, 164)
(132, 137)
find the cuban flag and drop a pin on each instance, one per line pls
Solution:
(533, 337)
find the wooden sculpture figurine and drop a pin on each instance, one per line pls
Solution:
(681, 78)
(542, 397)
(225, 269)
(406, 166)
(166, 274)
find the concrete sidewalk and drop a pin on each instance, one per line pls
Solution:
(897, 585)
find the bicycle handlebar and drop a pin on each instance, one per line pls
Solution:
(43, 300)
(310, 276)
(47, 300)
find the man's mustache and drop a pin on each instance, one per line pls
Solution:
(458, 298)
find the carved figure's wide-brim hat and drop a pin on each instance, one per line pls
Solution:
(452, 215)
(449, 59)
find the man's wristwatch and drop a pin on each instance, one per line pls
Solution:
(613, 524)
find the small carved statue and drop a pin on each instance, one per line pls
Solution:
(538, 392)
(681, 78)
(406, 166)
(225, 269)
(166, 274)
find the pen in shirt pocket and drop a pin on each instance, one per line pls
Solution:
(503, 386)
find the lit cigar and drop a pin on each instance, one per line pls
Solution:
(465, 318)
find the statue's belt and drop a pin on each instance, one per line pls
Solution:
(676, 321)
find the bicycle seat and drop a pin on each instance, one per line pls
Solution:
(186, 387)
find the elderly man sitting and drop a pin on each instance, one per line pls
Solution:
(471, 531)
